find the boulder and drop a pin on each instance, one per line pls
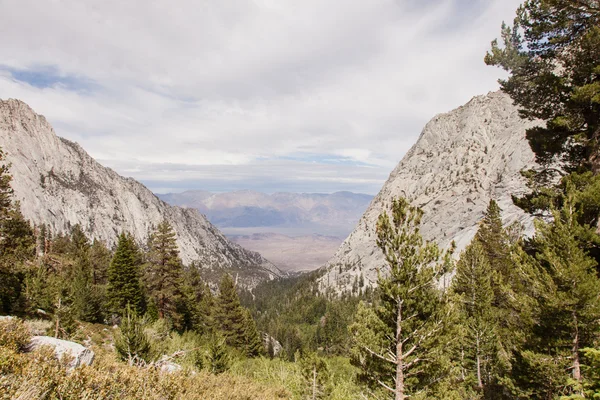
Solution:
(80, 354)
(169, 367)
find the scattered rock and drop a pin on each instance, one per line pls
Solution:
(270, 340)
(169, 367)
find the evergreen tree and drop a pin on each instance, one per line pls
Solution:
(124, 286)
(393, 341)
(86, 298)
(473, 282)
(316, 376)
(17, 244)
(493, 238)
(164, 274)
(552, 54)
(131, 342)
(6, 190)
(230, 316)
(569, 311)
(253, 343)
(199, 302)
(100, 259)
(217, 356)
(591, 371)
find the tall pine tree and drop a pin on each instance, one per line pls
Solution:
(123, 275)
(230, 316)
(164, 274)
(569, 318)
(473, 283)
(393, 341)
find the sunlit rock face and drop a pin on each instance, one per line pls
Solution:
(60, 185)
(462, 159)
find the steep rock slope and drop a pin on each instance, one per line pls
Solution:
(462, 160)
(60, 185)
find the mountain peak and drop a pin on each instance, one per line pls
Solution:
(60, 185)
(461, 160)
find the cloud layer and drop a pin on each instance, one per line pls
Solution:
(317, 95)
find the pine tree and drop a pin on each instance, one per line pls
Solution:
(217, 356)
(131, 342)
(316, 376)
(253, 343)
(473, 282)
(570, 306)
(164, 274)
(100, 258)
(230, 316)
(6, 190)
(493, 238)
(17, 244)
(553, 58)
(392, 342)
(124, 286)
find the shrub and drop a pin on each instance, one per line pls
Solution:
(13, 334)
(131, 342)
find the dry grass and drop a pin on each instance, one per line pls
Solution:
(40, 376)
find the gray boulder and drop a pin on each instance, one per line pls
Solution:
(80, 354)
(169, 367)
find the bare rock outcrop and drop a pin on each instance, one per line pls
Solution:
(462, 159)
(79, 355)
(60, 185)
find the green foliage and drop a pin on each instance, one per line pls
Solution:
(124, 285)
(591, 371)
(13, 334)
(552, 54)
(316, 376)
(17, 245)
(199, 302)
(392, 341)
(164, 275)
(131, 342)
(569, 306)
(473, 284)
(217, 355)
(63, 324)
(253, 343)
(230, 313)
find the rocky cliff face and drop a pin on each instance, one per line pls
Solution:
(462, 160)
(60, 185)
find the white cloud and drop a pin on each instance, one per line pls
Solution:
(232, 83)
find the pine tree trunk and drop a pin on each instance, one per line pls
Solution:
(314, 388)
(479, 383)
(400, 363)
(575, 352)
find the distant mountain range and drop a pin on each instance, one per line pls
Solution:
(292, 214)
(295, 231)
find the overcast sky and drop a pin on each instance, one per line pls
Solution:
(271, 95)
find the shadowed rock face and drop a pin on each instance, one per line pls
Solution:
(462, 160)
(60, 185)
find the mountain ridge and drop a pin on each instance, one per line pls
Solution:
(461, 160)
(59, 184)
